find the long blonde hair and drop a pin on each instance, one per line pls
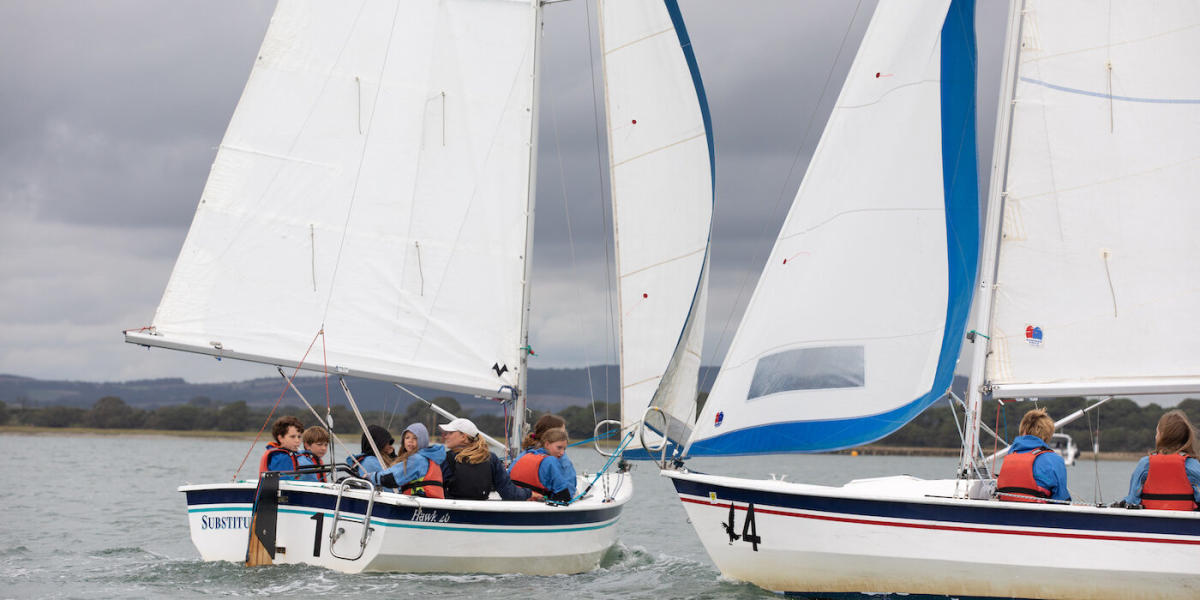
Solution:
(402, 452)
(475, 452)
(543, 424)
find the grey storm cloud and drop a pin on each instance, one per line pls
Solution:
(110, 114)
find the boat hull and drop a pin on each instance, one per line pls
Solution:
(410, 534)
(910, 536)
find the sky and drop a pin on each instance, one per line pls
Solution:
(111, 113)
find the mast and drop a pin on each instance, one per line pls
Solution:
(518, 420)
(608, 121)
(989, 261)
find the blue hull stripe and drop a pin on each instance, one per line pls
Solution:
(199, 501)
(417, 525)
(960, 184)
(979, 513)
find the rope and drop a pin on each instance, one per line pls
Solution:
(604, 469)
(598, 437)
(277, 401)
(610, 322)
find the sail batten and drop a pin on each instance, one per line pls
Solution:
(857, 320)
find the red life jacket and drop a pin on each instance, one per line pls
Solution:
(429, 486)
(317, 462)
(1167, 486)
(525, 473)
(1016, 477)
(273, 448)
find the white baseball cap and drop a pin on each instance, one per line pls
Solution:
(464, 426)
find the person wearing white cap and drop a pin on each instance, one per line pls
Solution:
(471, 471)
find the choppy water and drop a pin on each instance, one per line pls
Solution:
(99, 517)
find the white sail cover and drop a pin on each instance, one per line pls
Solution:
(662, 166)
(373, 183)
(858, 317)
(1097, 285)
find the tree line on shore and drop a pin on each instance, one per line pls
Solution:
(1121, 425)
(203, 414)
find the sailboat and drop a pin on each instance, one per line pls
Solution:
(1086, 286)
(370, 214)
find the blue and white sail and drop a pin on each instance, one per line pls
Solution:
(374, 184)
(858, 317)
(661, 163)
(1096, 285)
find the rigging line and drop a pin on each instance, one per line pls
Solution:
(335, 437)
(337, 263)
(562, 181)
(277, 401)
(608, 274)
(758, 255)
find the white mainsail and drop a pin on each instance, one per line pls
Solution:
(1096, 286)
(379, 196)
(661, 167)
(857, 320)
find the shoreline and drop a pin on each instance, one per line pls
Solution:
(869, 450)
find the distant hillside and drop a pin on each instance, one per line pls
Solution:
(550, 390)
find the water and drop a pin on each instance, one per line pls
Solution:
(99, 517)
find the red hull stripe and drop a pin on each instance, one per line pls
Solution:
(758, 509)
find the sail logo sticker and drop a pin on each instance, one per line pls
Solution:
(1033, 335)
(720, 419)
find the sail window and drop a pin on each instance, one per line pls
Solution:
(808, 369)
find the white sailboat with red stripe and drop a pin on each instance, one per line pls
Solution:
(1087, 280)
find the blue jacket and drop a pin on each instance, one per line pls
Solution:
(369, 463)
(413, 468)
(282, 461)
(556, 474)
(308, 459)
(1049, 470)
(1138, 479)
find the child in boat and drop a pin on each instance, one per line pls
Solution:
(1168, 479)
(1032, 471)
(546, 470)
(365, 461)
(471, 471)
(419, 472)
(283, 453)
(544, 423)
(316, 444)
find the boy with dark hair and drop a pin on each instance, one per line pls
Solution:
(283, 454)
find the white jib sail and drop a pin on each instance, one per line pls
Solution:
(374, 182)
(1098, 281)
(857, 318)
(661, 169)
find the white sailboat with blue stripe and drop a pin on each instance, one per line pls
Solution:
(859, 316)
(374, 192)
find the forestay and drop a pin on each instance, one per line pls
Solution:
(1099, 258)
(661, 167)
(381, 196)
(857, 320)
